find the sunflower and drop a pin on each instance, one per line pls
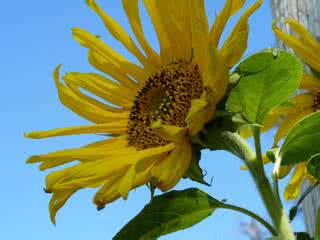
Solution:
(303, 104)
(155, 107)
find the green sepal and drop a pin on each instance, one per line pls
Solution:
(195, 173)
(212, 134)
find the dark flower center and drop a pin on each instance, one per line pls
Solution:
(316, 105)
(166, 96)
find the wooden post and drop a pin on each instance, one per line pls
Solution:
(306, 12)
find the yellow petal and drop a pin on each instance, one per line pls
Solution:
(302, 102)
(83, 106)
(170, 170)
(312, 179)
(108, 192)
(200, 33)
(304, 34)
(118, 127)
(90, 173)
(110, 142)
(75, 90)
(293, 189)
(131, 8)
(101, 53)
(103, 88)
(216, 75)
(120, 72)
(310, 82)
(270, 121)
(57, 201)
(164, 42)
(176, 24)
(83, 154)
(284, 171)
(230, 8)
(118, 33)
(289, 121)
(236, 44)
(307, 53)
(86, 174)
(168, 132)
(126, 183)
(201, 111)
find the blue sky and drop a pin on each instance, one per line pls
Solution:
(35, 38)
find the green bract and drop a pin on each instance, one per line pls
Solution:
(195, 172)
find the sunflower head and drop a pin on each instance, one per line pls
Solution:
(155, 107)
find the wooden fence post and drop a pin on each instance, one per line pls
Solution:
(306, 12)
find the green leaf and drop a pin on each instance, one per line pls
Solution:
(314, 167)
(169, 213)
(267, 80)
(302, 141)
(195, 172)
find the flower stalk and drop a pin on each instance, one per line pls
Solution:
(269, 197)
(238, 146)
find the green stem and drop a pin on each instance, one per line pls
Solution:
(276, 212)
(235, 144)
(238, 146)
(253, 215)
(269, 197)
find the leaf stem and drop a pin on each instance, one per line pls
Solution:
(257, 144)
(253, 215)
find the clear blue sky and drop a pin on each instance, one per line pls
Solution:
(35, 37)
